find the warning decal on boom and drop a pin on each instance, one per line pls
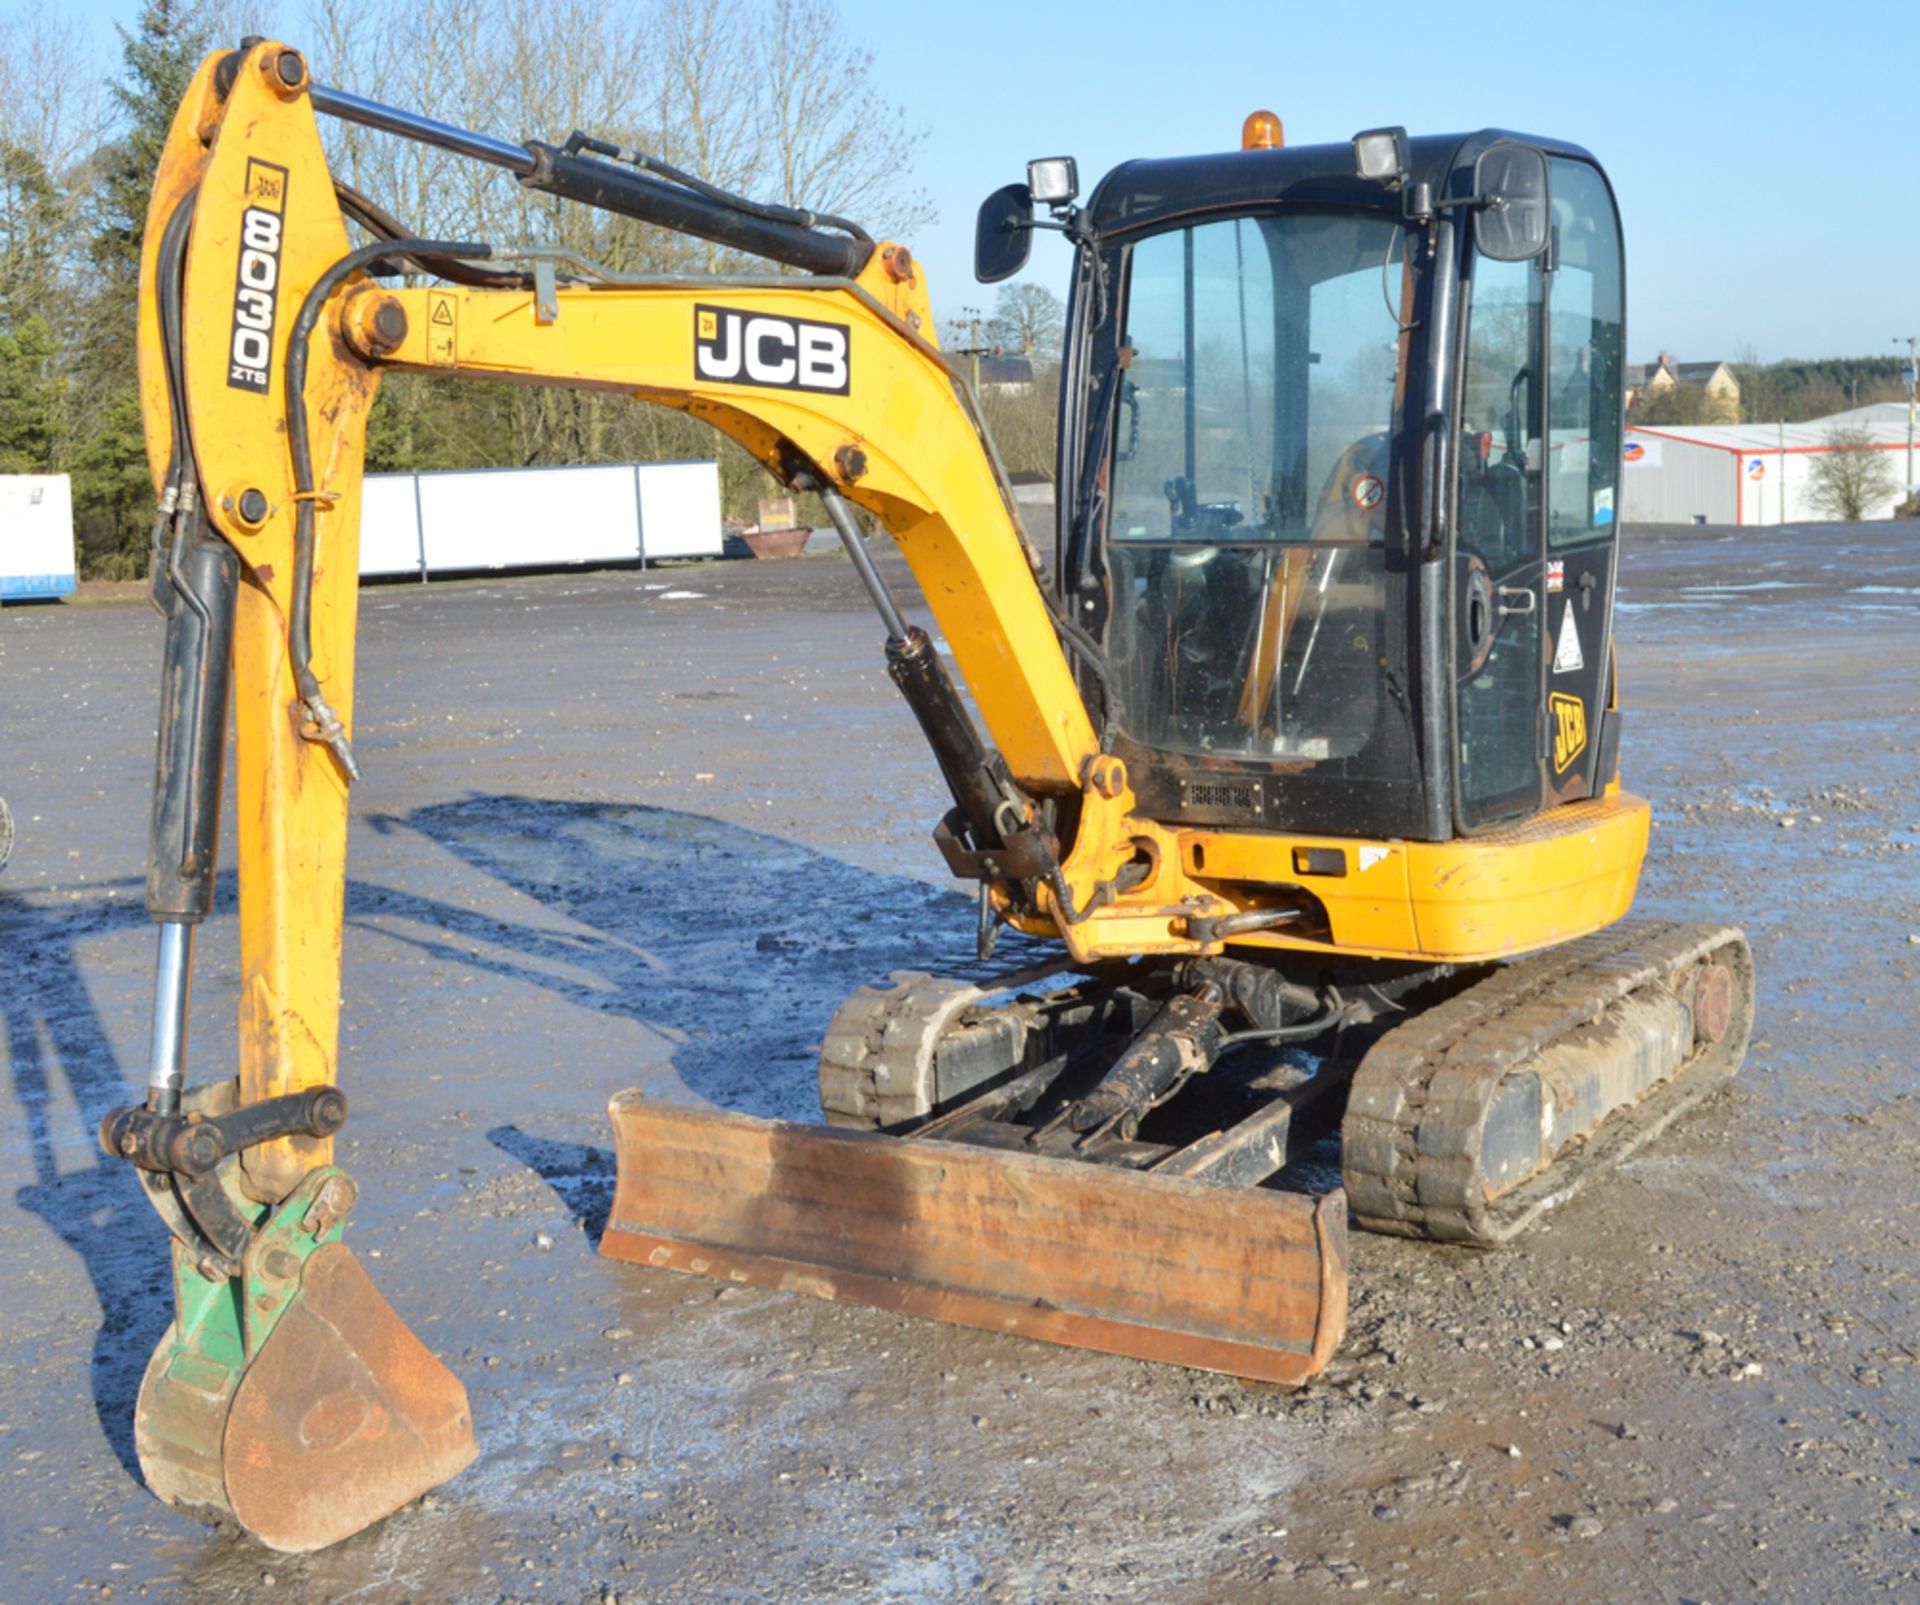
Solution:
(443, 329)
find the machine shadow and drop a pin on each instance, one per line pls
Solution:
(53, 1036)
(581, 1175)
(733, 945)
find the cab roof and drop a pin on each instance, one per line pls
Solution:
(1138, 193)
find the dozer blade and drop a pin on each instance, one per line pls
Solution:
(1247, 1281)
(293, 1400)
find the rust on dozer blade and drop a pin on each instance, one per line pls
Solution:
(341, 1418)
(1247, 1281)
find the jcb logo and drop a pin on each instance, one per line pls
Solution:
(1569, 729)
(742, 348)
(256, 291)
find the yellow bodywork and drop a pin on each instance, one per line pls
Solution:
(905, 443)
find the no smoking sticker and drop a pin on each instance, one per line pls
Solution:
(1368, 493)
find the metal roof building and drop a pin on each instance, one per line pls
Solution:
(1748, 473)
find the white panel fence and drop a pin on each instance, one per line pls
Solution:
(501, 518)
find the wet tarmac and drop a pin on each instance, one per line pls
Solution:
(648, 829)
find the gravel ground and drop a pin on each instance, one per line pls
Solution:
(648, 829)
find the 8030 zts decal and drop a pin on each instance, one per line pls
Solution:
(742, 348)
(256, 289)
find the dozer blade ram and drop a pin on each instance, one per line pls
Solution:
(1300, 750)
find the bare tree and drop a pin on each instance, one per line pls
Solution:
(1030, 319)
(769, 98)
(53, 116)
(52, 99)
(1851, 475)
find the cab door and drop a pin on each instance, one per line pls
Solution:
(1585, 350)
(1500, 545)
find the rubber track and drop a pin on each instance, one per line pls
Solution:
(1411, 1139)
(876, 1060)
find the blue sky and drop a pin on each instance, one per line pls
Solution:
(1765, 154)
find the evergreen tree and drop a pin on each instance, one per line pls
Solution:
(111, 491)
(159, 59)
(30, 305)
(29, 398)
(31, 225)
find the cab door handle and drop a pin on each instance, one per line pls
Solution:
(1517, 601)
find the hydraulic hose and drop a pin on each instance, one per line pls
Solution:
(382, 224)
(326, 723)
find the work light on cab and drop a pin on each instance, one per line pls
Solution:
(1381, 154)
(1053, 180)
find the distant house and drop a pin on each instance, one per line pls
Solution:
(1005, 376)
(1716, 378)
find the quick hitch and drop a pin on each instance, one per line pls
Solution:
(191, 1145)
(179, 1156)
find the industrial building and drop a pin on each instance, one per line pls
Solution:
(1749, 473)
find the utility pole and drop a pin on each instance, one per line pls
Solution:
(1783, 470)
(973, 348)
(1913, 398)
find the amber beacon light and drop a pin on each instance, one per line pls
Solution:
(1262, 131)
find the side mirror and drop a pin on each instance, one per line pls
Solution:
(1003, 236)
(1511, 209)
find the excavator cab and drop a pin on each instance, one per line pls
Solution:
(1340, 456)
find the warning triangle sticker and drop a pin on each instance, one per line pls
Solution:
(443, 312)
(1567, 658)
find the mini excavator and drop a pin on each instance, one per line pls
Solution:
(1300, 749)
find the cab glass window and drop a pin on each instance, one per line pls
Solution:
(1584, 335)
(1249, 485)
